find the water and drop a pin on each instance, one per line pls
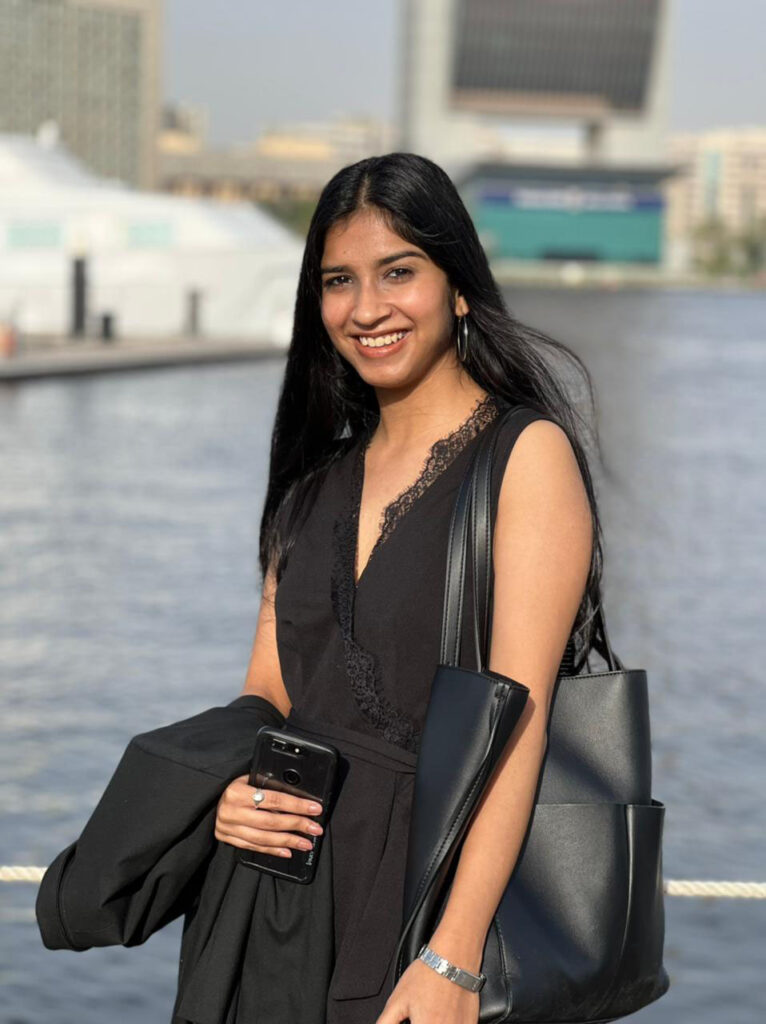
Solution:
(129, 514)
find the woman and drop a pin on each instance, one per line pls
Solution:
(402, 353)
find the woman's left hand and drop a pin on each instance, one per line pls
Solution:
(422, 996)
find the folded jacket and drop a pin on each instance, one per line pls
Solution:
(148, 854)
(134, 867)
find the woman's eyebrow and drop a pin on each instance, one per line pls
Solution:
(380, 263)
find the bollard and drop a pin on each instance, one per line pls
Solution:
(106, 329)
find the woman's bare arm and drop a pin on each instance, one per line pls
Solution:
(264, 673)
(542, 551)
(275, 826)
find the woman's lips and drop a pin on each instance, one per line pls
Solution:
(381, 350)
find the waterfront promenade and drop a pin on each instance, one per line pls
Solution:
(56, 357)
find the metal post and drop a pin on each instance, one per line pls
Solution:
(79, 297)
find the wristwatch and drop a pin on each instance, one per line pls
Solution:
(473, 982)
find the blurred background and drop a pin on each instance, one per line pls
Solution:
(159, 163)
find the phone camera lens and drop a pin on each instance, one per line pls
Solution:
(292, 776)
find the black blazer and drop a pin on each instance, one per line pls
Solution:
(149, 846)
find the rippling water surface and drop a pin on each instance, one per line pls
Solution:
(129, 511)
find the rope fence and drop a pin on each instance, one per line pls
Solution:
(672, 886)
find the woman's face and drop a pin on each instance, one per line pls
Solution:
(385, 303)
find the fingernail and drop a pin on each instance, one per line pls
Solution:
(315, 807)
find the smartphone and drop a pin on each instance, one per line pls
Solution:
(286, 761)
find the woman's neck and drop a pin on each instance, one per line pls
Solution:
(425, 413)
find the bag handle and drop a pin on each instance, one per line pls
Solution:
(472, 511)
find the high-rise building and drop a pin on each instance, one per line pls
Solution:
(93, 68)
(599, 64)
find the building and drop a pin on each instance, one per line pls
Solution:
(545, 211)
(722, 178)
(346, 139)
(91, 67)
(290, 161)
(183, 128)
(490, 91)
(597, 64)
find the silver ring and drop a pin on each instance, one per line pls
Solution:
(259, 796)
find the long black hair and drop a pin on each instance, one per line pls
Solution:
(324, 403)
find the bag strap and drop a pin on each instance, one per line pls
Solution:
(452, 610)
(473, 511)
(476, 481)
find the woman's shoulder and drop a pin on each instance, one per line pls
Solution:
(540, 443)
(517, 415)
(515, 419)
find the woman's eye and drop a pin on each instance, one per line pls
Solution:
(400, 272)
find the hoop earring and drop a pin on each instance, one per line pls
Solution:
(462, 335)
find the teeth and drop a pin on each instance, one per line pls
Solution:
(384, 339)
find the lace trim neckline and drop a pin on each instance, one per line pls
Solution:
(439, 456)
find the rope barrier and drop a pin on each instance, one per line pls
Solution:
(17, 873)
(717, 890)
(672, 886)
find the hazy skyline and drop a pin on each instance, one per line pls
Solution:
(252, 63)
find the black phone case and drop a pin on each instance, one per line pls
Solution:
(286, 761)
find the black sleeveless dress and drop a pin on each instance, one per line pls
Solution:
(358, 658)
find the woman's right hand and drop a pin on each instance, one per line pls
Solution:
(269, 827)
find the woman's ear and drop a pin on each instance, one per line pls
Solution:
(461, 306)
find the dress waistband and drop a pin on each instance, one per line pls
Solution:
(354, 743)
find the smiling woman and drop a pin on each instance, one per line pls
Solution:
(403, 353)
(403, 356)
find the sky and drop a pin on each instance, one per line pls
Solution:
(253, 63)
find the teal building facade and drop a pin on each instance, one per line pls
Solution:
(567, 212)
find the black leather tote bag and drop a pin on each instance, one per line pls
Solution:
(579, 931)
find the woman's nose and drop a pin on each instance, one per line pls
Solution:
(369, 307)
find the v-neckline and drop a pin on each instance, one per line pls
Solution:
(439, 455)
